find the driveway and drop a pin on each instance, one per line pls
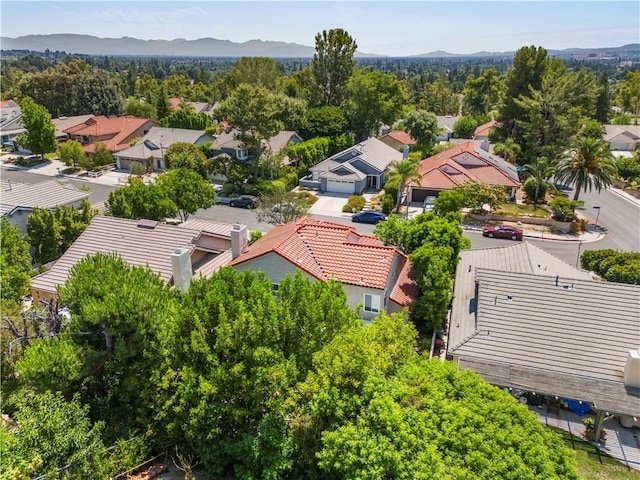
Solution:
(330, 205)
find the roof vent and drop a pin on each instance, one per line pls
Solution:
(145, 223)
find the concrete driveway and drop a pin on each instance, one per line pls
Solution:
(330, 205)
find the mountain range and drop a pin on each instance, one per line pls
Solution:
(212, 47)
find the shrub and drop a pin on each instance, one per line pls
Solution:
(464, 127)
(529, 188)
(137, 168)
(563, 208)
(307, 198)
(227, 189)
(254, 235)
(387, 204)
(629, 168)
(578, 226)
(355, 201)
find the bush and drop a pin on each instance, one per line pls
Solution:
(387, 204)
(628, 168)
(464, 127)
(254, 235)
(137, 168)
(227, 189)
(355, 201)
(613, 265)
(563, 208)
(529, 188)
(578, 226)
(307, 198)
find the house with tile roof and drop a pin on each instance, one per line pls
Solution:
(624, 138)
(63, 123)
(18, 200)
(114, 132)
(175, 252)
(523, 319)
(227, 144)
(445, 124)
(154, 145)
(482, 131)
(353, 169)
(398, 139)
(459, 164)
(375, 277)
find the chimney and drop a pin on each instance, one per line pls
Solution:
(405, 152)
(181, 266)
(239, 240)
(632, 369)
(484, 145)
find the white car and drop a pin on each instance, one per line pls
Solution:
(428, 204)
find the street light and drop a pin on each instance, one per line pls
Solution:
(597, 207)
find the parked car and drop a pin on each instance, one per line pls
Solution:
(428, 204)
(370, 216)
(503, 232)
(248, 201)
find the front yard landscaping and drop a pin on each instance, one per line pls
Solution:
(521, 210)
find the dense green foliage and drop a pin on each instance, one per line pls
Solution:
(15, 262)
(477, 195)
(613, 265)
(464, 127)
(138, 200)
(188, 190)
(187, 155)
(40, 137)
(332, 66)
(53, 231)
(629, 168)
(72, 154)
(187, 118)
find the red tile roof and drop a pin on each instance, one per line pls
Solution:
(328, 250)
(175, 103)
(484, 129)
(402, 137)
(120, 130)
(445, 170)
(406, 289)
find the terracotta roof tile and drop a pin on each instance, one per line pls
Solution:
(458, 164)
(175, 102)
(327, 250)
(402, 137)
(405, 291)
(120, 130)
(484, 129)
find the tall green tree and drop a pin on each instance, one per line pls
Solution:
(372, 98)
(439, 98)
(628, 95)
(72, 154)
(163, 109)
(332, 65)
(589, 165)
(482, 94)
(529, 66)
(187, 118)
(464, 127)
(327, 121)
(137, 200)
(15, 262)
(509, 150)
(603, 104)
(253, 111)
(401, 172)
(234, 353)
(40, 136)
(102, 155)
(423, 127)
(140, 108)
(188, 190)
(259, 71)
(187, 155)
(541, 171)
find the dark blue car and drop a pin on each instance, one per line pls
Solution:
(368, 217)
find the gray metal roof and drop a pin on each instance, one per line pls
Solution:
(137, 244)
(540, 329)
(47, 194)
(157, 140)
(371, 151)
(519, 257)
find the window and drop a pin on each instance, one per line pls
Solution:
(242, 154)
(371, 303)
(275, 287)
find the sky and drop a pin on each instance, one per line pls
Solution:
(394, 28)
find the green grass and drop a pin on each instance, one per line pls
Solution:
(592, 466)
(518, 210)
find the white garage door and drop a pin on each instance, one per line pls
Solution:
(340, 186)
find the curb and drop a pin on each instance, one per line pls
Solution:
(625, 196)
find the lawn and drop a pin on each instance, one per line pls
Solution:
(519, 210)
(592, 466)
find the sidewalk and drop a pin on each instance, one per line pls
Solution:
(53, 168)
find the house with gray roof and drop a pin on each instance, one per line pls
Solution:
(175, 252)
(64, 123)
(445, 124)
(153, 145)
(227, 144)
(522, 319)
(353, 169)
(622, 138)
(19, 199)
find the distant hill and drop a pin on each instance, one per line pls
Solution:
(212, 47)
(203, 47)
(632, 50)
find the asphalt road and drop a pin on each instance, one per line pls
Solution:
(99, 192)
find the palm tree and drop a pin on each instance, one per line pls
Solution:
(542, 170)
(403, 171)
(591, 165)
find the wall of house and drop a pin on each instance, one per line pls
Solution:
(355, 297)
(273, 265)
(19, 219)
(213, 242)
